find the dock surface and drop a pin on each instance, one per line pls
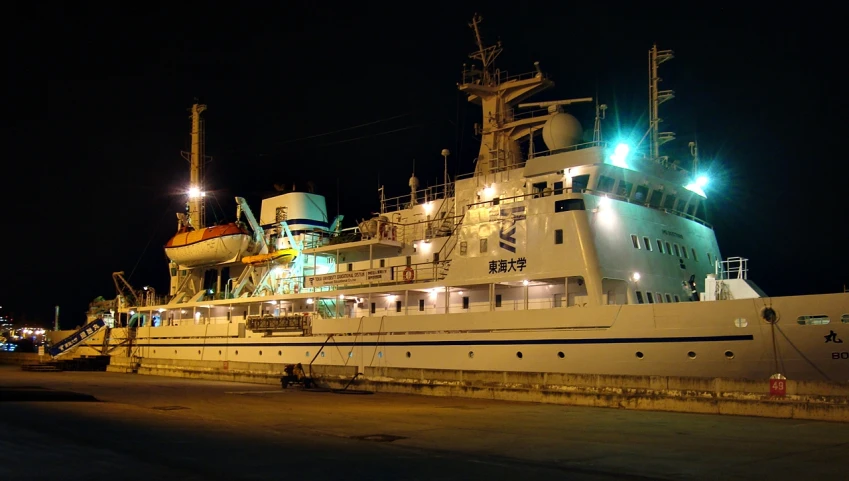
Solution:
(94, 425)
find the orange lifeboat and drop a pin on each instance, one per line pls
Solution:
(210, 245)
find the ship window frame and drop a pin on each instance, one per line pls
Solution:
(639, 297)
(373, 307)
(668, 298)
(677, 299)
(558, 236)
(655, 194)
(649, 297)
(382, 262)
(644, 191)
(669, 201)
(580, 183)
(498, 300)
(483, 244)
(350, 266)
(709, 260)
(464, 248)
(398, 306)
(668, 247)
(695, 257)
(466, 302)
(421, 305)
(606, 184)
(558, 187)
(624, 188)
(677, 250)
(567, 205)
(684, 251)
(660, 246)
(647, 244)
(635, 240)
(659, 297)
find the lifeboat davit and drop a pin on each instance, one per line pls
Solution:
(282, 256)
(210, 245)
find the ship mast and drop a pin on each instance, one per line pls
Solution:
(657, 97)
(197, 217)
(497, 95)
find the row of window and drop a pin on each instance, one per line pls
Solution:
(643, 195)
(655, 297)
(665, 247)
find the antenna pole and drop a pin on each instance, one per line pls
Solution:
(196, 204)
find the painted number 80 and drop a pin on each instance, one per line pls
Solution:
(840, 355)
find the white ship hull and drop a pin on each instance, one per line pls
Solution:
(725, 339)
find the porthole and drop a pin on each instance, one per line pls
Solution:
(198, 351)
(561, 355)
(691, 355)
(471, 354)
(219, 352)
(322, 353)
(175, 351)
(237, 352)
(307, 354)
(279, 353)
(729, 355)
(640, 355)
(408, 354)
(260, 353)
(844, 318)
(154, 351)
(519, 354)
(350, 354)
(741, 322)
(379, 353)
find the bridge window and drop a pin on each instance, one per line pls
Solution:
(655, 199)
(580, 183)
(641, 195)
(669, 202)
(539, 188)
(605, 183)
(558, 236)
(624, 188)
(558, 187)
(569, 204)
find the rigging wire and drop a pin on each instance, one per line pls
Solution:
(152, 235)
(353, 127)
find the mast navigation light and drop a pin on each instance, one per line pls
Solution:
(195, 192)
(620, 155)
(698, 185)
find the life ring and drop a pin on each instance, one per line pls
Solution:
(409, 275)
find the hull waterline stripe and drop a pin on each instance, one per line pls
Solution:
(493, 342)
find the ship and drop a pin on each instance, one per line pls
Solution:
(586, 257)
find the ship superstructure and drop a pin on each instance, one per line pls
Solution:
(586, 257)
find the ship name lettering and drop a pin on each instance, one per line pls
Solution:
(672, 234)
(503, 265)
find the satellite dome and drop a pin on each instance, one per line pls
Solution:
(561, 131)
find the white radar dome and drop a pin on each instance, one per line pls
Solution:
(561, 131)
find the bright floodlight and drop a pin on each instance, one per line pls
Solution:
(702, 181)
(620, 154)
(194, 192)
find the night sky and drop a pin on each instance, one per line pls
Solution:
(97, 101)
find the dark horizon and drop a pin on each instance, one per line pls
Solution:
(350, 97)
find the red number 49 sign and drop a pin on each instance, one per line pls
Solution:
(777, 387)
